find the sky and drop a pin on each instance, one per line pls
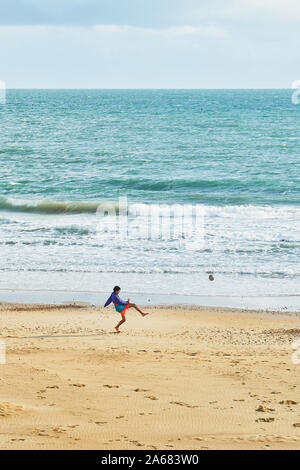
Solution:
(149, 43)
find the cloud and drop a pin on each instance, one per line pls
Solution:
(208, 31)
(204, 31)
(122, 56)
(149, 43)
(285, 11)
(280, 9)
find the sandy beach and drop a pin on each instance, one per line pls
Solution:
(181, 378)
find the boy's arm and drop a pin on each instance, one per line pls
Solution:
(120, 301)
(109, 301)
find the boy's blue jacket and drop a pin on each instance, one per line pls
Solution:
(115, 299)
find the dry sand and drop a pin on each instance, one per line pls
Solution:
(181, 378)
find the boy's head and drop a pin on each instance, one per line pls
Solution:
(117, 289)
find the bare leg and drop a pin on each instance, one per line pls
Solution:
(119, 324)
(138, 309)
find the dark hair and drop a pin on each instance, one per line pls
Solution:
(117, 288)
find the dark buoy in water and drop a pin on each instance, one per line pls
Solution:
(211, 277)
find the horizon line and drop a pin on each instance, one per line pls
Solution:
(146, 88)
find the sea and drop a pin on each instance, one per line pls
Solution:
(232, 156)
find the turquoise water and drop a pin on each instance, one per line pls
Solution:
(234, 153)
(209, 147)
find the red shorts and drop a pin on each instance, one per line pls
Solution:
(122, 309)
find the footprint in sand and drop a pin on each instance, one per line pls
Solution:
(8, 409)
(111, 386)
(41, 432)
(179, 403)
(140, 390)
(262, 409)
(53, 386)
(152, 397)
(288, 402)
(296, 425)
(137, 443)
(265, 420)
(77, 385)
(59, 430)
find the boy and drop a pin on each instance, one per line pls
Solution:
(121, 306)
